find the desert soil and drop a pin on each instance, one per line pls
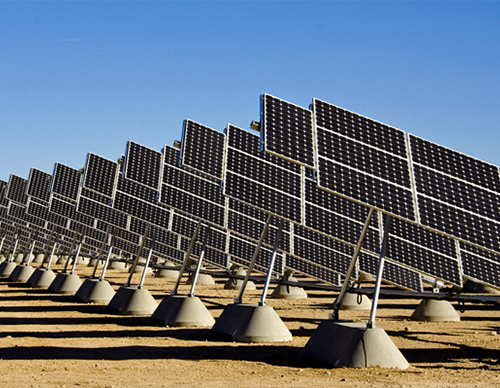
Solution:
(49, 340)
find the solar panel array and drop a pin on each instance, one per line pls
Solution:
(323, 169)
(248, 171)
(451, 195)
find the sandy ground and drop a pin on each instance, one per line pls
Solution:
(48, 340)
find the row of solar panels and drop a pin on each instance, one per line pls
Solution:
(224, 180)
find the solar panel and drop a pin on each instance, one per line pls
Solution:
(456, 194)
(65, 182)
(143, 165)
(480, 265)
(287, 130)
(38, 185)
(189, 193)
(16, 190)
(196, 137)
(100, 175)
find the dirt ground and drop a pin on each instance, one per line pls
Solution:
(48, 340)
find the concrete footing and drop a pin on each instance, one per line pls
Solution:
(117, 264)
(19, 258)
(62, 260)
(166, 272)
(352, 301)
(235, 284)
(251, 323)
(41, 278)
(95, 291)
(66, 283)
(82, 260)
(182, 311)
(39, 258)
(204, 279)
(132, 301)
(353, 345)
(21, 273)
(434, 310)
(286, 291)
(6, 269)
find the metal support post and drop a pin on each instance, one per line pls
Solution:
(200, 260)
(101, 252)
(378, 282)
(186, 258)
(336, 305)
(134, 265)
(262, 301)
(148, 259)
(263, 234)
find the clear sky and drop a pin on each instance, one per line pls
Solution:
(79, 77)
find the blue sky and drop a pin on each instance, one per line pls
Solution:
(78, 77)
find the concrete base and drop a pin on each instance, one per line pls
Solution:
(19, 258)
(66, 283)
(433, 310)
(95, 291)
(82, 260)
(353, 345)
(62, 260)
(41, 278)
(140, 268)
(166, 272)
(285, 291)
(21, 273)
(2, 258)
(132, 301)
(117, 265)
(39, 258)
(182, 311)
(6, 269)
(204, 279)
(351, 302)
(251, 323)
(235, 284)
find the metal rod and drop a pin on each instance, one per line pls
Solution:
(101, 251)
(186, 258)
(27, 248)
(200, 260)
(378, 282)
(108, 256)
(52, 254)
(263, 234)
(148, 259)
(134, 265)
(30, 253)
(73, 245)
(262, 300)
(47, 247)
(77, 253)
(336, 305)
(11, 258)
